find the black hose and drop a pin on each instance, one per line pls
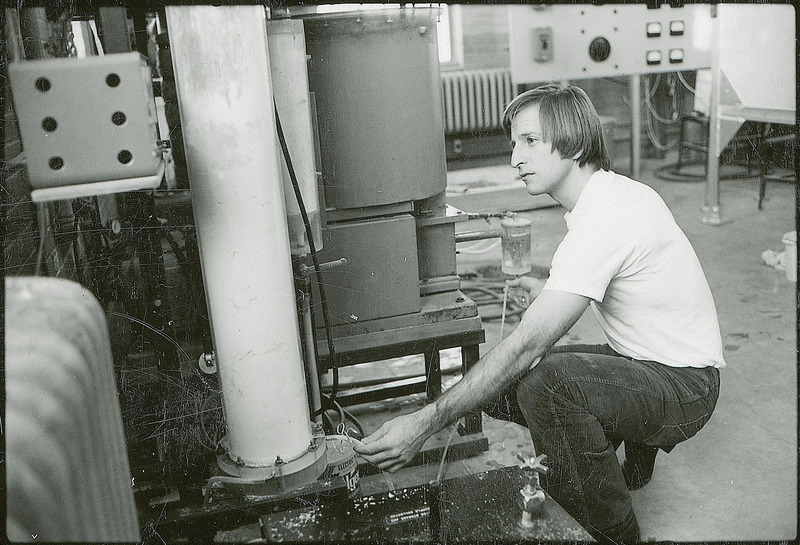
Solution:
(313, 250)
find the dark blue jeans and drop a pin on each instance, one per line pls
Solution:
(581, 401)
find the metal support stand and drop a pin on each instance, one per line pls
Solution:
(711, 208)
(636, 125)
(447, 320)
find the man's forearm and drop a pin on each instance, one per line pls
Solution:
(491, 376)
(397, 441)
(547, 320)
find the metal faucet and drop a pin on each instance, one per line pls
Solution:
(531, 496)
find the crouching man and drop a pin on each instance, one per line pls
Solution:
(656, 381)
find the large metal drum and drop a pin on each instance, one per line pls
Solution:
(379, 105)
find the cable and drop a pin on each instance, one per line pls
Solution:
(312, 248)
(685, 83)
(651, 134)
(355, 422)
(326, 419)
(655, 87)
(651, 113)
(666, 121)
(43, 219)
(343, 414)
(670, 173)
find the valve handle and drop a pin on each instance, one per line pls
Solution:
(536, 463)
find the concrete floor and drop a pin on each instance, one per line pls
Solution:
(737, 479)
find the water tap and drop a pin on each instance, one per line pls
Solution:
(531, 496)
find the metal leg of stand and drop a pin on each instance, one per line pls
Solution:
(433, 374)
(469, 357)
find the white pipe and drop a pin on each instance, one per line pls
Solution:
(287, 56)
(223, 81)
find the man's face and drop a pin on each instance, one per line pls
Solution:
(539, 165)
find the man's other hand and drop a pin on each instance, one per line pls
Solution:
(396, 442)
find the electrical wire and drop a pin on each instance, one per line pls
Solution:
(675, 116)
(685, 83)
(670, 173)
(651, 133)
(651, 93)
(327, 421)
(651, 114)
(312, 248)
(342, 413)
(212, 441)
(350, 416)
(43, 219)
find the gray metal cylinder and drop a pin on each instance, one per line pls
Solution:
(379, 105)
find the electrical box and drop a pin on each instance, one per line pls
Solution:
(588, 41)
(88, 125)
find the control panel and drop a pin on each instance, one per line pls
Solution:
(88, 125)
(586, 41)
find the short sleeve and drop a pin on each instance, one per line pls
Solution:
(590, 256)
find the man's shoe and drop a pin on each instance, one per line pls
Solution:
(638, 466)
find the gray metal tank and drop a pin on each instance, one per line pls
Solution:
(379, 105)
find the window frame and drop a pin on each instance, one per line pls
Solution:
(456, 61)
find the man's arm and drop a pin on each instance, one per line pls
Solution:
(548, 318)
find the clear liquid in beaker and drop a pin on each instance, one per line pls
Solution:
(516, 243)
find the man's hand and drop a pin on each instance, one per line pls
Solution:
(397, 441)
(532, 286)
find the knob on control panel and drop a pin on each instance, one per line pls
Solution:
(599, 49)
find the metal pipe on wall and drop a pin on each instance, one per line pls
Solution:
(222, 73)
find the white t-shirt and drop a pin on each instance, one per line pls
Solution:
(624, 251)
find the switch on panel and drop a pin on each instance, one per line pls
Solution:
(676, 28)
(653, 30)
(653, 57)
(543, 44)
(676, 56)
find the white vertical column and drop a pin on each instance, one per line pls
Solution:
(289, 67)
(221, 62)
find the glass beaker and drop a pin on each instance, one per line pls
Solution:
(516, 243)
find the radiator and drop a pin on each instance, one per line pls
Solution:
(474, 99)
(67, 471)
